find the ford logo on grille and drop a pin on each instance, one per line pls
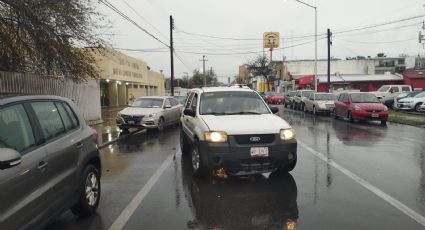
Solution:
(254, 139)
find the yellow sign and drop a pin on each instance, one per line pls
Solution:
(271, 39)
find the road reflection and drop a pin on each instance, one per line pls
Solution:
(255, 202)
(366, 134)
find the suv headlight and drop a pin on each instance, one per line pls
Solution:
(287, 134)
(215, 136)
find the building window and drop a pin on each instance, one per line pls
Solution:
(401, 61)
(117, 71)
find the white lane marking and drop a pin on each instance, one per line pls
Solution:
(125, 215)
(392, 201)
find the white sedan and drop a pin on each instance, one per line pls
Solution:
(151, 113)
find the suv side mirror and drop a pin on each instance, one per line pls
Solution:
(9, 158)
(189, 112)
(274, 109)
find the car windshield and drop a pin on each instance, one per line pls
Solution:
(148, 103)
(364, 98)
(305, 93)
(404, 94)
(232, 103)
(291, 94)
(325, 97)
(181, 99)
(420, 95)
(383, 89)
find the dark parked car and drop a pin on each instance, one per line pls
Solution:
(360, 106)
(289, 97)
(49, 162)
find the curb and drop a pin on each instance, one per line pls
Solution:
(103, 145)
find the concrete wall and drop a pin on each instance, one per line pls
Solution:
(85, 94)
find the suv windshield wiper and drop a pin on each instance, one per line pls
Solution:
(244, 112)
(214, 113)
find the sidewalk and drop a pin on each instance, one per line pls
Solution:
(108, 130)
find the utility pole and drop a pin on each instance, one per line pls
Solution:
(329, 59)
(171, 54)
(203, 69)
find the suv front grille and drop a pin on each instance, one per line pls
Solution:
(254, 139)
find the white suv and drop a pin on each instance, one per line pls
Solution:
(234, 130)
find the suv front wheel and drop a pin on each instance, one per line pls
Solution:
(198, 168)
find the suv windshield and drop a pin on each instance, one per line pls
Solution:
(383, 89)
(232, 103)
(148, 103)
(325, 97)
(364, 98)
(292, 93)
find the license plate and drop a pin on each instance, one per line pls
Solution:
(259, 152)
(374, 115)
(131, 122)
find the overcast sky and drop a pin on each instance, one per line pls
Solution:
(250, 19)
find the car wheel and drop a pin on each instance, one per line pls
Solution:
(184, 146)
(304, 109)
(334, 115)
(89, 193)
(286, 105)
(350, 117)
(198, 168)
(383, 122)
(417, 107)
(314, 110)
(161, 124)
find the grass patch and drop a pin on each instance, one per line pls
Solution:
(407, 118)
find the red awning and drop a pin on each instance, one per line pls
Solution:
(306, 80)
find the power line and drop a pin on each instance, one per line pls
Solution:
(144, 19)
(381, 42)
(181, 60)
(378, 25)
(383, 30)
(112, 7)
(303, 36)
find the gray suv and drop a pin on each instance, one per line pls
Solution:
(49, 162)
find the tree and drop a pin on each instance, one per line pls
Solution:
(259, 66)
(47, 37)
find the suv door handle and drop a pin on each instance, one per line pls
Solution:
(42, 165)
(79, 145)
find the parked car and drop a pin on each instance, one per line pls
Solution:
(391, 90)
(404, 95)
(289, 97)
(411, 103)
(360, 106)
(300, 96)
(181, 99)
(49, 162)
(152, 112)
(275, 98)
(233, 129)
(319, 103)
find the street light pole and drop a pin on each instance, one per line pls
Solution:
(315, 41)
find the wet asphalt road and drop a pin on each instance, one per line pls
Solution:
(349, 176)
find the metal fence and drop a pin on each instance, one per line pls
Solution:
(86, 95)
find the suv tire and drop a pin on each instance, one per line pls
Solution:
(184, 146)
(89, 193)
(198, 168)
(289, 167)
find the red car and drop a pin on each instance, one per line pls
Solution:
(275, 98)
(360, 106)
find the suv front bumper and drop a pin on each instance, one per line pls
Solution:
(236, 158)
